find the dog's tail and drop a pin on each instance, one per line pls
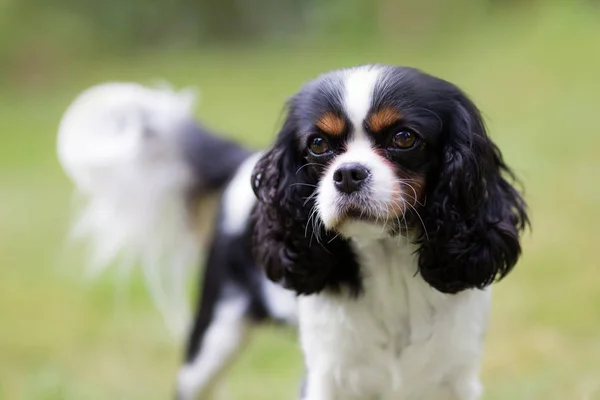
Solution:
(147, 178)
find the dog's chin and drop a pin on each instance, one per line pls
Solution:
(356, 224)
(362, 229)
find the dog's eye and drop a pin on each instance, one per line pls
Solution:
(318, 146)
(404, 140)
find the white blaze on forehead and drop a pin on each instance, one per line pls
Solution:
(359, 84)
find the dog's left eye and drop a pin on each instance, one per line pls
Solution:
(318, 146)
(404, 140)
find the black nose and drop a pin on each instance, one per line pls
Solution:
(350, 177)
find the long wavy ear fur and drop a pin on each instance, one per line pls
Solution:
(286, 243)
(473, 215)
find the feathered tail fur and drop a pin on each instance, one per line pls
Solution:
(146, 176)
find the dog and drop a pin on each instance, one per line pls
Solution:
(377, 222)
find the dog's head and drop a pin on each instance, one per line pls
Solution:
(381, 151)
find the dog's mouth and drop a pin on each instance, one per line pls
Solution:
(355, 213)
(357, 222)
(364, 209)
(358, 214)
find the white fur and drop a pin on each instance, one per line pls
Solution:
(118, 143)
(239, 198)
(399, 340)
(222, 340)
(103, 131)
(281, 303)
(359, 83)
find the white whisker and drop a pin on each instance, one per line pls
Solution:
(306, 165)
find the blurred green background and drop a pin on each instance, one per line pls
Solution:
(532, 66)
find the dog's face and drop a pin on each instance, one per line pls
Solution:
(371, 135)
(382, 151)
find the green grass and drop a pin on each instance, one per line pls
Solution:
(536, 79)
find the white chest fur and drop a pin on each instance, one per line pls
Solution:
(400, 339)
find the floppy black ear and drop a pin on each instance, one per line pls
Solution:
(473, 215)
(287, 241)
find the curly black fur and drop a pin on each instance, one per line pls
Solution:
(285, 242)
(473, 215)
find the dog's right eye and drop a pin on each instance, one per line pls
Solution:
(404, 140)
(318, 146)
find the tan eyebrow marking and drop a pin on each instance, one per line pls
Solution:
(383, 118)
(331, 124)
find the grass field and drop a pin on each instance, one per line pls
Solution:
(536, 79)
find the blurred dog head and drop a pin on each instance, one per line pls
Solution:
(379, 151)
